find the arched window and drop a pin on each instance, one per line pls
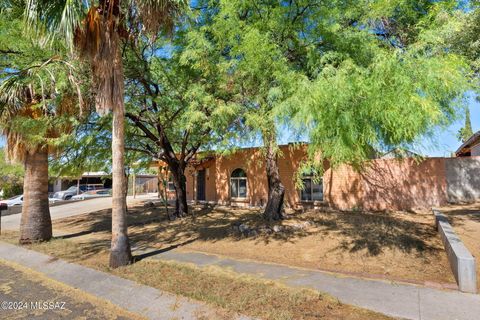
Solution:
(312, 188)
(238, 184)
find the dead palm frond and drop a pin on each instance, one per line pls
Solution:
(157, 15)
(97, 40)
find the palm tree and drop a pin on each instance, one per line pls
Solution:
(95, 31)
(35, 111)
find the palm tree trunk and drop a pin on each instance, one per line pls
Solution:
(120, 254)
(36, 224)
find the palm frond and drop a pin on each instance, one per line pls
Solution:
(29, 94)
(60, 18)
(37, 82)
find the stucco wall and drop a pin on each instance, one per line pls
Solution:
(384, 184)
(463, 179)
(393, 184)
(252, 161)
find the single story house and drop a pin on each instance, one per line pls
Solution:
(386, 183)
(240, 179)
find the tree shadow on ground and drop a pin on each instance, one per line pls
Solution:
(374, 232)
(160, 251)
(76, 251)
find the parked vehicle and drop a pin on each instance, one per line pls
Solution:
(14, 201)
(53, 200)
(93, 194)
(73, 191)
(18, 201)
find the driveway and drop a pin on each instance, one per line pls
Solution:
(12, 222)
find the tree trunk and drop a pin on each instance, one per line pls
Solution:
(276, 190)
(36, 224)
(120, 253)
(179, 181)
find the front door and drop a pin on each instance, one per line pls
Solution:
(201, 185)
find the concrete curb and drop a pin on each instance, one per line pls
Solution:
(395, 299)
(462, 262)
(145, 301)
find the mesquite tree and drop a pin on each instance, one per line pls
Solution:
(262, 42)
(353, 75)
(179, 103)
(376, 79)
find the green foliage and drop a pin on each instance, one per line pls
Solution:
(375, 84)
(350, 110)
(180, 99)
(466, 132)
(39, 92)
(457, 31)
(86, 149)
(355, 77)
(11, 177)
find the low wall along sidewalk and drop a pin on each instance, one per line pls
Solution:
(462, 262)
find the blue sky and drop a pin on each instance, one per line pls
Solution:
(444, 141)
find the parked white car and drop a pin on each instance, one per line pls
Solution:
(93, 194)
(18, 201)
(14, 201)
(53, 200)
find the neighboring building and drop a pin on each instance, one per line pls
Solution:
(88, 178)
(145, 183)
(240, 179)
(471, 147)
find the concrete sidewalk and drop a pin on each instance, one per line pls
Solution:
(390, 298)
(145, 301)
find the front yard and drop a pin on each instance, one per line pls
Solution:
(398, 246)
(401, 246)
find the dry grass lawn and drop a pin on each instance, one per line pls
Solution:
(230, 292)
(399, 246)
(465, 220)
